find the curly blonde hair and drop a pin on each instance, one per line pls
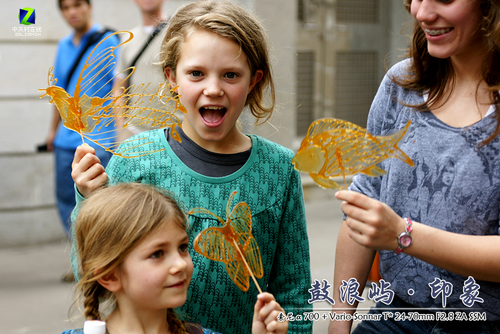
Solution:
(233, 22)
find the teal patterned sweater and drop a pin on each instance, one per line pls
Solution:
(272, 189)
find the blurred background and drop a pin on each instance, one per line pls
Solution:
(329, 57)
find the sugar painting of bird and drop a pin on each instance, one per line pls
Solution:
(334, 147)
(134, 106)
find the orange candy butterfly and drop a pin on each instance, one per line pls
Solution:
(233, 244)
(84, 114)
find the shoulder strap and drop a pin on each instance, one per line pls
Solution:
(151, 37)
(93, 39)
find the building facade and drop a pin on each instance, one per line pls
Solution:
(328, 58)
(343, 50)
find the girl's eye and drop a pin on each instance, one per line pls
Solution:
(156, 255)
(231, 75)
(196, 74)
(183, 248)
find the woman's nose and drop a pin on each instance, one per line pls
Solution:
(425, 10)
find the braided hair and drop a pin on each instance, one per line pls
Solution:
(109, 225)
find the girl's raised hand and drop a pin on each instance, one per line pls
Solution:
(87, 171)
(371, 223)
(265, 316)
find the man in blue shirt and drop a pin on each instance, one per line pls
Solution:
(60, 139)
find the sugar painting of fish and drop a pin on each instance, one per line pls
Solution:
(334, 147)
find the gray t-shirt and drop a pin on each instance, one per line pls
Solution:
(454, 186)
(205, 162)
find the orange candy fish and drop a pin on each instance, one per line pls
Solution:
(334, 147)
(83, 113)
(233, 244)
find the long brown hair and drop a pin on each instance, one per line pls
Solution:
(427, 73)
(110, 224)
(233, 22)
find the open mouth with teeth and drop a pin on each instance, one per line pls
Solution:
(213, 115)
(437, 32)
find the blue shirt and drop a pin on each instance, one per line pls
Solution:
(66, 55)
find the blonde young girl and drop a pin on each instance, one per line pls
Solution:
(133, 251)
(216, 53)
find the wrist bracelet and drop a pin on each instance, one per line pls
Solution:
(404, 239)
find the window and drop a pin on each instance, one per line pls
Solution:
(305, 91)
(356, 84)
(356, 11)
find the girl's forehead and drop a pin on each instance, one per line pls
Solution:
(203, 44)
(167, 231)
(222, 36)
(197, 31)
(171, 225)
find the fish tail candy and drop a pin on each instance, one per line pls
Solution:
(391, 145)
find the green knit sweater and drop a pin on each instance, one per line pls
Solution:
(272, 189)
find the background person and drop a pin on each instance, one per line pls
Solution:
(143, 52)
(72, 52)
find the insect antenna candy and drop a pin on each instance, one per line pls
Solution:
(93, 117)
(232, 243)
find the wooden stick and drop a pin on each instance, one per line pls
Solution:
(248, 267)
(339, 159)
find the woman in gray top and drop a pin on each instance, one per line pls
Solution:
(435, 225)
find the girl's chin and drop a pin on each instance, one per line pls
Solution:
(438, 53)
(176, 302)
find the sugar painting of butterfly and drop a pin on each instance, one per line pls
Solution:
(334, 147)
(130, 107)
(232, 243)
